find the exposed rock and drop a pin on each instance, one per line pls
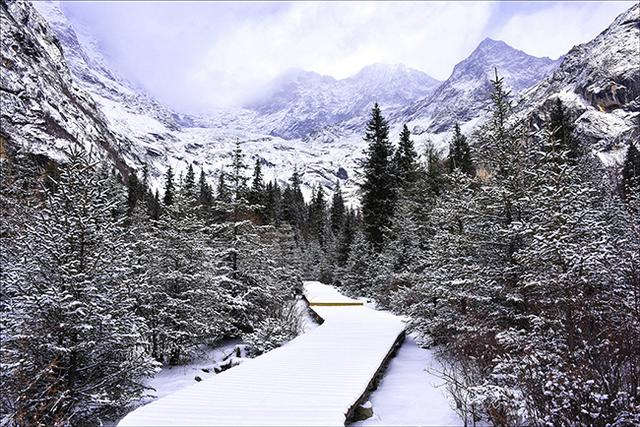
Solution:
(342, 173)
(363, 412)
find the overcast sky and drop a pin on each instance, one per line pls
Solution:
(197, 55)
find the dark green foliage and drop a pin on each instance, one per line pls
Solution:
(238, 180)
(317, 215)
(378, 186)
(294, 209)
(434, 178)
(460, 153)
(405, 160)
(223, 193)
(205, 195)
(257, 194)
(257, 184)
(189, 180)
(346, 237)
(168, 188)
(337, 209)
(631, 172)
(273, 203)
(560, 126)
(135, 192)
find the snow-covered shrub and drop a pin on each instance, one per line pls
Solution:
(276, 330)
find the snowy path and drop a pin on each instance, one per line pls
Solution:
(313, 380)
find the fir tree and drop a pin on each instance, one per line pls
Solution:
(345, 240)
(273, 203)
(434, 176)
(223, 192)
(561, 127)
(257, 184)
(406, 158)
(71, 342)
(257, 194)
(317, 215)
(378, 186)
(168, 187)
(460, 153)
(238, 168)
(631, 172)
(337, 209)
(189, 180)
(205, 198)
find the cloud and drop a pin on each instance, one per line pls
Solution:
(554, 30)
(196, 55)
(338, 39)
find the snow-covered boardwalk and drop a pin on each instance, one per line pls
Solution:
(313, 380)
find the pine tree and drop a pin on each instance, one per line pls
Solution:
(406, 159)
(134, 192)
(223, 192)
(317, 216)
(72, 341)
(189, 180)
(168, 187)
(153, 206)
(561, 127)
(293, 203)
(237, 176)
(257, 184)
(205, 198)
(345, 240)
(378, 186)
(434, 176)
(273, 203)
(337, 210)
(460, 153)
(631, 173)
(257, 194)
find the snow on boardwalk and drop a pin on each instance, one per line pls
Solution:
(312, 380)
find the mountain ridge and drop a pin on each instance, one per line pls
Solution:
(321, 135)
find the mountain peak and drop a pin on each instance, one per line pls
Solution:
(488, 41)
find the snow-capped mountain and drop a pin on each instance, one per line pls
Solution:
(464, 96)
(58, 89)
(599, 81)
(43, 110)
(300, 103)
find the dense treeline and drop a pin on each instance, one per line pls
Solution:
(516, 256)
(519, 261)
(102, 283)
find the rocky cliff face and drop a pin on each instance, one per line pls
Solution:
(599, 81)
(465, 95)
(42, 109)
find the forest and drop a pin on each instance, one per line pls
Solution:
(516, 256)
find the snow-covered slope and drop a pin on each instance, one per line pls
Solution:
(300, 103)
(600, 83)
(42, 108)
(465, 95)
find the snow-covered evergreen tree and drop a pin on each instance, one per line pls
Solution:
(72, 341)
(378, 185)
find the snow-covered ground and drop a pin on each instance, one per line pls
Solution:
(409, 395)
(173, 378)
(313, 380)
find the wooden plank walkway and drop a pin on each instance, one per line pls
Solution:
(314, 380)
